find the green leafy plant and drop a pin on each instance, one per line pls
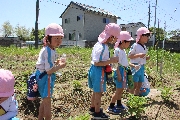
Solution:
(77, 84)
(166, 93)
(136, 105)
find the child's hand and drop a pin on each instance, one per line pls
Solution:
(62, 64)
(114, 59)
(141, 55)
(136, 67)
(57, 62)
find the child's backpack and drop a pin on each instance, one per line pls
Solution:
(32, 87)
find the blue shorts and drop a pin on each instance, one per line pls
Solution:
(145, 93)
(43, 84)
(123, 83)
(14, 118)
(139, 75)
(96, 81)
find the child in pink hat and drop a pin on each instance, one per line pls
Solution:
(100, 59)
(138, 56)
(8, 103)
(120, 74)
(46, 65)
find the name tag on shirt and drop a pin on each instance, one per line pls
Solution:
(2, 111)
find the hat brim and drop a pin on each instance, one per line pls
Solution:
(131, 39)
(103, 37)
(56, 35)
(7, 94)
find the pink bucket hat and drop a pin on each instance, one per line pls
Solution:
(54, 29)
(110, 29)
(124, 35)
(7, 82)
(141, 31)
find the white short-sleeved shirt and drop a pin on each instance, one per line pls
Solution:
(145, 84)
(137, 48)
(46, 59)
(96, 52)
(121, 54)
(10, 106)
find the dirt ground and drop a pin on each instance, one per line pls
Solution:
(67, 102)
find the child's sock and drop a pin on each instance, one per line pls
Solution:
(119, 103)
(92, 108)
(112, 105)
(97, 114)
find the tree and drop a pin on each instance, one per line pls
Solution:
(174, 33)
(7, 29)
(22, 32)
(159, 33)
(40, 34)
(32, 34)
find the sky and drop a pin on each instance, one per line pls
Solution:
(23, 12)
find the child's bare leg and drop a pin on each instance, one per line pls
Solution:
(97, 101)
(41, 111)
(47, 108)
(137, 90)
(93, 100)
(117, 95)
(132, 91)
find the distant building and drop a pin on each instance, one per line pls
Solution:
(132, 28)
(85, 22)
(175, 38)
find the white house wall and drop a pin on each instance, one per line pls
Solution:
(74, 25)
(94, 25)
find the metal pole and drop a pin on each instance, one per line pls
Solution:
(154, 35)
(149, 14)
(36, 24)
(157, 46)
(161, 67)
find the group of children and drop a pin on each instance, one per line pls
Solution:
(101, 59)
(43, 79)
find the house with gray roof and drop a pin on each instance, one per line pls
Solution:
(85, 22)
(132, 28)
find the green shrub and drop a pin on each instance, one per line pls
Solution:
(77, 84)
(136, 105)
(166, 93)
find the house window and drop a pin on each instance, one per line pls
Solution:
(70, 36)
(105, 20)
(67, 20)
(78, 18)
(123, 28)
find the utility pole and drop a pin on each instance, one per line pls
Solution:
(155, 25)
(157, 46)
(36, 24)
(149, 14)
(161, 65)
